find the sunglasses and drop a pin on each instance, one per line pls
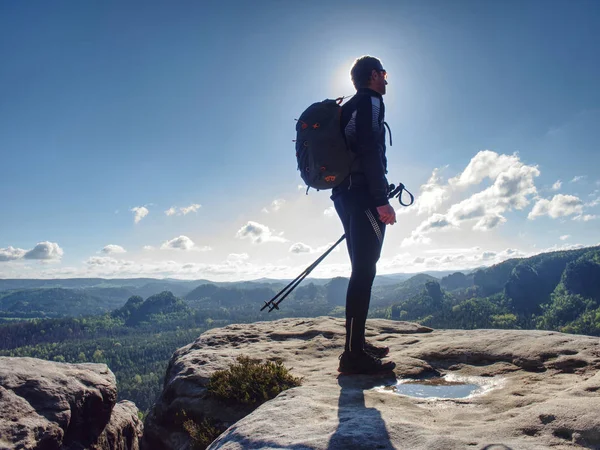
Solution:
(383, 72)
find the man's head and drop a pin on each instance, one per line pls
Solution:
(367, 72)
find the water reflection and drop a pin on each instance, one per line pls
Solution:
(448, 386)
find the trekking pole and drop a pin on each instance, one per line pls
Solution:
(295, 282)
(393, 191)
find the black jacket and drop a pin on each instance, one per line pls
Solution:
(362, 122)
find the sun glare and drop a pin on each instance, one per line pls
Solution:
(341, 83)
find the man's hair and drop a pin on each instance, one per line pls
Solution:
(361, 70)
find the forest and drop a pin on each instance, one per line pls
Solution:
(135, 325)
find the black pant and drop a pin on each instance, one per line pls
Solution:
(364, 237)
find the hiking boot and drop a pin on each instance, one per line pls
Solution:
(363, 363)
(375, 350)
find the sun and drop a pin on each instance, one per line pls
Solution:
(341, 83)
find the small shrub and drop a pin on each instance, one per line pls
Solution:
(251, 381)
(202, 434)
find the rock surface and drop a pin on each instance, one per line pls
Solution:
(543, 390)
(50, 405)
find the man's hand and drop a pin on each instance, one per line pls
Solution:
(387, 214)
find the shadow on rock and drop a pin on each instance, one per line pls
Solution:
(245, 442)
(496, 447)
(360, 427)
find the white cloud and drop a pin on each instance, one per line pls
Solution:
(235, 267)
(330, 212)
(140, 212)
(513, 186)
(237, 258)
(488, 255)
(560, 206)
(192, 208)
(512, 253)
(275, 206)
(398, 263)
(485, 164)
(578, 178)
(432, 195)
(402, 210)
(489, 221)
(585, 217)
(148, 248)
(460, 258)
(436, 222)
(300, 247)
(112, 248)
(102, 261)
(433, 223)
(557, 185)
(45, 251)
(564, 237)
(258, 233)
(562, 247)
(174, 210)
(593, 203)
(11, 254)
(181, 243)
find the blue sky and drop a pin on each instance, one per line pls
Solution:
(185, 112)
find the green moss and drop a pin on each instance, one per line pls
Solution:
(251, 381)
(248, 381)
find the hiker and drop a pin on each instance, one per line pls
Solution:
(361, 202)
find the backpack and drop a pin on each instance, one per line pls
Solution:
(323, 157)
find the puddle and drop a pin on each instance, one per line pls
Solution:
(448, 386)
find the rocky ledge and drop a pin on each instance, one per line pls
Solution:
(49, 405)
(538, 390)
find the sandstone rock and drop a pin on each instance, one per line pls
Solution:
(50, 405)
(123, 431)
(545, 390)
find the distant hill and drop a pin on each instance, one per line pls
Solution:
(62, 302)
(150, 286)
(210, 295)
(178, 288)
(83, 283)
(164, 304)
(555, 291)
(201, 292)
(164, 307)
(70, 283)
(418, 281)
(335, 291)
(111, 296)
(387, 295)
(52, 302)
(525, 287)
(549, 268)
(457, 280)
(390, 279)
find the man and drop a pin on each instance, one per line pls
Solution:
(361, 202)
